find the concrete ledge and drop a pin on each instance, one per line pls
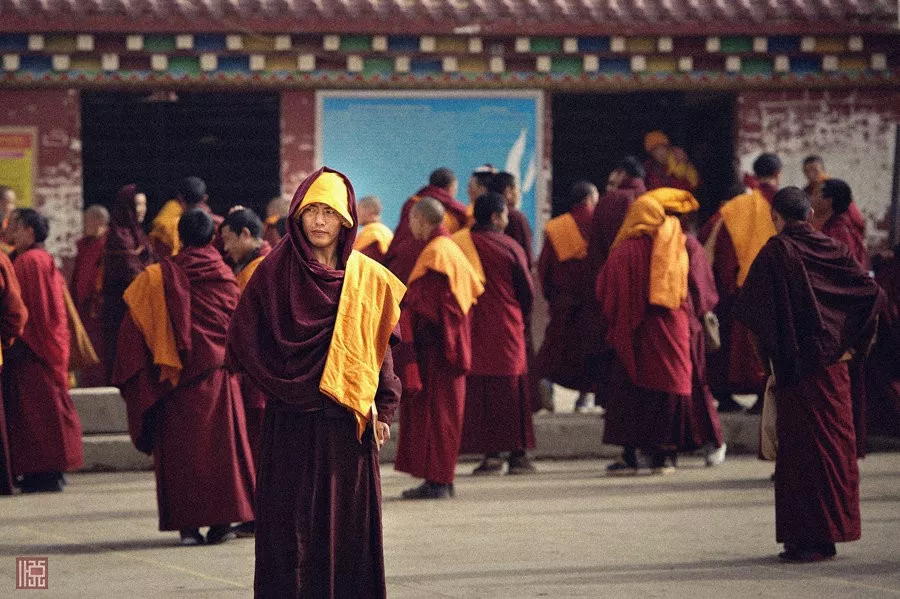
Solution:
(101, 410)
(113, 453)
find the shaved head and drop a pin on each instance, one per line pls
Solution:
(430, 210)
(97, 212)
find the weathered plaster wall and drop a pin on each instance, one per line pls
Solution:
(58, 185)
(854, 131)
(298, 138)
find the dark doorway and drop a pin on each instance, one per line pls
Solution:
(230, 140)
(593, 132)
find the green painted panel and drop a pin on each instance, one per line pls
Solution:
(356, 43)
(159, 43)
(731, 45)
(567, 65)
(546, 44)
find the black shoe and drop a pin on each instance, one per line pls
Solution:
(42, 482)
(245, 530)
(663, 463)
(429, 490)
(191, 537)
(727, 404)
(519, 463)
(219, 534)
(491, 464)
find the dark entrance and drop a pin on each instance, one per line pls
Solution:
(592, 132)
(230, 140)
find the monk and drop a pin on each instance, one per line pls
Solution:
(883, 368)
(242, 237)
(13, 315)
(478, 184)
(810, 308)
(498, 404)
(86, 285)
(732, 238)
(374, 236)
(816, 176)
(624, 185)
(832, 216)
(190, 193)
(43, 426)
(518, 228)
(831, 203)
(276, 210)
(405, 249)
(183, 406)
(651, 290)
(443, 287)
(668, 165)
(312, 331)
(8, 201)
(567, 355)
(128, 253)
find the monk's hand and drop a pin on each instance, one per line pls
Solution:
(382, 433)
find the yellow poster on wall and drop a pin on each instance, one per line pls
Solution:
(18, 157)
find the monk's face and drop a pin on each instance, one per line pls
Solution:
(475, 189)
(615, 179)
(814, 171)
(513, 195)
(778, 220)
(236, 245)
(93, 226)
(321, 225)
(140, 206)
(660, 153)
(20, 236)
(419, 226)
(8, 202)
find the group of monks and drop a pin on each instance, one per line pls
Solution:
(262, 363)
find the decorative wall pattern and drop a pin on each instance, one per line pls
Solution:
(442, 61)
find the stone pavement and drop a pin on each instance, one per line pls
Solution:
(567, 531)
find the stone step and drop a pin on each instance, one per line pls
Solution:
(113, 453)
(101, 409)
(558, 436)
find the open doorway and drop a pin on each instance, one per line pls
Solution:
(593, 132)
(229, 139)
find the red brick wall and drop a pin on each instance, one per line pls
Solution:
(298, 138)
(57, 188)
(853, 130)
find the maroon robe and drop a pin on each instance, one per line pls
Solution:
(86, 275)
(735, 368)
(128, 252)
(883, 366)
(519, 229)
(196, 430)
(609, 214)
(808, 302)
(656, 397)
(569, 353)
(405, 249)
(850, 229)
(318, 510)
(43, 426)
(13, 315)
(498, 403)
(254, 398)
(431, 420)
(373, 251)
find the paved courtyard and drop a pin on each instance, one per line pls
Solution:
(568, 531)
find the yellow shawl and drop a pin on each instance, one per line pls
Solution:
(371, 233)
(566, 239)
(669, 263)
(165, 226)
(443, 256)
(146, 299)
(463, 238)
(368, 311)
(748, 218)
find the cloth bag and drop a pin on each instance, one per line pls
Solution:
(768, 435)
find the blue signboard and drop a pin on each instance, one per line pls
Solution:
(389, 142)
